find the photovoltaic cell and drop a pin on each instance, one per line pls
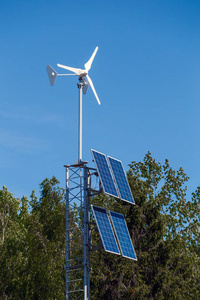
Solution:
(122, 234)
(104, 173)
(105, 229)
(121, 180)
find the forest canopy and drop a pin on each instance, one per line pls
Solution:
(164, 228)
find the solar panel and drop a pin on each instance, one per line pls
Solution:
(104, 173)
(105, 229)
(121, 180)
(123, 235)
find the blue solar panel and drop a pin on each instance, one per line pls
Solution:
(105, 229)
(121, 180)
(104, 173)
(123, 235)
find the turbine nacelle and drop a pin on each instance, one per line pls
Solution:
(85, 73)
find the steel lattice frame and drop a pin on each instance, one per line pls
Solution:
(78, 193)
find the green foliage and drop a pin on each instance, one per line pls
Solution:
(163, 225)
(165, 232)
(32, 254)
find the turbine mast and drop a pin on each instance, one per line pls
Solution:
(80, 127)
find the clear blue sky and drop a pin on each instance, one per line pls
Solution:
(146, 74)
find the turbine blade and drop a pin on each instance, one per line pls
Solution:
(92, 87)
(75, 70)
(89, 63)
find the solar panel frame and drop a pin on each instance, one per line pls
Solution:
(106, 243)
(123, 235)
(121, 187)
(108, 184)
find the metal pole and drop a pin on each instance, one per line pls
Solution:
(80, 87)
(88, 232)
(67, 234)
(86, 258)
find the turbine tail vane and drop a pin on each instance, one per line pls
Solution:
(52, 74)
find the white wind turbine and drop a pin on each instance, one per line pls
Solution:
(84, 81)
(84, 72)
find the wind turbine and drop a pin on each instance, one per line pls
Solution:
(84, 72)
(84, 82)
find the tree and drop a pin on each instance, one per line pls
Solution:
(32, 255)
(164, 227)
(46, 240)
(12, 260)
(9, 208)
